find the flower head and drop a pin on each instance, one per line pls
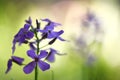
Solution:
(22, 36)
(90, 18)
(36, 60)
(30, 35)
(14, 59)
(49, 33)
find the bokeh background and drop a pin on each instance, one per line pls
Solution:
(73, 66)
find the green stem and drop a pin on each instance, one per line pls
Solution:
(36, 73)
(38, 41)
(52, 75)
(43, 46)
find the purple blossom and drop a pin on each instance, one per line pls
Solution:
(52, 34)
(48, 32)
(51, 55)
(36, 60)
(14, 59)
(50, 26)
(90, 18)
(25, 36)
(22, 36)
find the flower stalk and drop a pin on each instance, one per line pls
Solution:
(36, 68)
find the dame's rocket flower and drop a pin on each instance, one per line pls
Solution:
(14, 59)
(52, 34)
(55, 34)
(36, 60)
(22, 36)
(51, 55)
(48, 32)
(50, 26)
(89, 19)
(29, 34)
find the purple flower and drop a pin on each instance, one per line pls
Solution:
(22, 36)
(36, 60)
(50, 26)
(14, 59)
(90, 16)
(48, 32)
(51, 55)
(52, 34)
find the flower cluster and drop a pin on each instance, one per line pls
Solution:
(33, 36)
(90, 35)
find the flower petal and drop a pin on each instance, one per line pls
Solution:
(49, 21)
(19, 33)
(17, 60)
(9, 65)
(29, 35)
(13, 47)
(61, 39)
(51, 35)
(43, 54)
(46, 20)
(31, 53)
(29, 67)
(54, 34)
(43, 65)
(50, 57)
(21, 40)
(42, 31)
(26, 27)
(50, 26)
(53, 51)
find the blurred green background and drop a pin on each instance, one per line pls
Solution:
(13, 13)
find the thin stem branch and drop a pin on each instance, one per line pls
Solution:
(43, 46)
(52, 73)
